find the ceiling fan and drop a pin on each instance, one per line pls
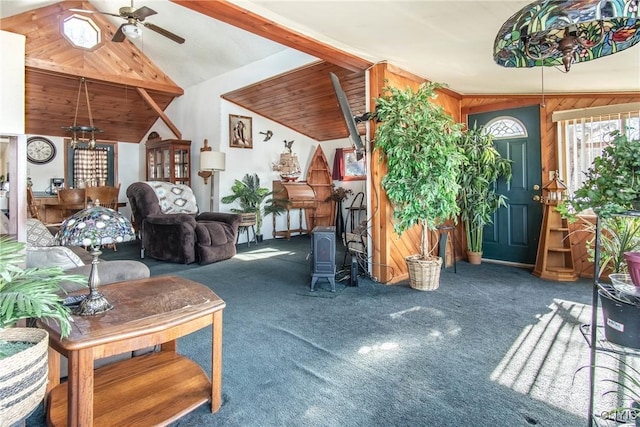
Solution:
(134, 17)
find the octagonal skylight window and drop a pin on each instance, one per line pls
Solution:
(81, 31)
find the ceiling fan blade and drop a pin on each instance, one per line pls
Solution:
(143, 12)
(119, 35)
(164, 32)
(94, 11)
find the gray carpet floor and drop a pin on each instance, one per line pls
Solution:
(493, 346)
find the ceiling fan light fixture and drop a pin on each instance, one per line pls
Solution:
(562, 32)
(132, 31)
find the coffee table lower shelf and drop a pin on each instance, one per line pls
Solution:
(154, 389)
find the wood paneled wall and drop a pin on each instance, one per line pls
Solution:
(548, 134)
(389, 249)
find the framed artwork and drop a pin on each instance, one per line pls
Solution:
(353, 168)
(240, 132)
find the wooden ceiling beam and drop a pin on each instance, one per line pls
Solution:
(143, 93)
(242, 18)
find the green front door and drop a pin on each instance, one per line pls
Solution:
(513, 236)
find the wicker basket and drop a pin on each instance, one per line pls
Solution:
(23, 376)
(424, 274)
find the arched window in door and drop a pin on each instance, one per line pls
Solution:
(505, 127)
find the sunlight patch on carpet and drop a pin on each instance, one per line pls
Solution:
(261, 254)
(385, 347)
(543, 359)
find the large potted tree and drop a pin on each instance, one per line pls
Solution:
(478, 198)
(26, 293)
(418, 140)
(253, 200)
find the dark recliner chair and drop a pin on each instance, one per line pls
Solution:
(171, 228)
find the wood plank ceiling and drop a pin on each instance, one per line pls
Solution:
(304, 100)
(128, 93)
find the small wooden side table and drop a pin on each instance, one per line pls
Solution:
(153, 389)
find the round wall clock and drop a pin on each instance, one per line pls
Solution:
(40, 150)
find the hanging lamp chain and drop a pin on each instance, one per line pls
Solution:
(75, 128)
(86, 91)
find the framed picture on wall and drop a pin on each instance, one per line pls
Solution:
(354, 168)
(240, 132)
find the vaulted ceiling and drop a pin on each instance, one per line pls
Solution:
(128, 93)
(443, 41)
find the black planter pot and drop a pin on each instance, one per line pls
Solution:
(259, 238)
(621, 319)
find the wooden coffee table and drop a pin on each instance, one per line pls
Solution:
(153, 389)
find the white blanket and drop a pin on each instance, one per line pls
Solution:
(174, 198)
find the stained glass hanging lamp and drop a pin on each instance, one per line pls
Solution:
(563, 32)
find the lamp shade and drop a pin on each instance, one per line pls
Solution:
(212, 161)
(95, 226)
(561, 32)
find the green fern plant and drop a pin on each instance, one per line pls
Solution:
(619, 235)
(612, 183)
(625, 384)
(253, 199)
(30, 293)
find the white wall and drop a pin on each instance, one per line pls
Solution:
(128, 172)
(200, 113)
(12, 102)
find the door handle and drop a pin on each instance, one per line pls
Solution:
(536, 198)
(536, 187)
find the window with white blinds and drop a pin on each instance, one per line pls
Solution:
(582, 134)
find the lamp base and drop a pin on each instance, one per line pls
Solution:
(94, 303)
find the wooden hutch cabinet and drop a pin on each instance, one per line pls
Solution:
(169, 160)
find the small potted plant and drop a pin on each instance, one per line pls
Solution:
(626, 388)
(339, 195)
(253, 199)
(612, 183)
(418, 140)
(26, 293)
(478, 198)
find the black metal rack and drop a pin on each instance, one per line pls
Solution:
(591, 333)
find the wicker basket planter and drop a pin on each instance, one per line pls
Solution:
(424, 274)
(23, 376)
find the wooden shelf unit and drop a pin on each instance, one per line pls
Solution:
(169, 160)
(554, 260)
(126, 393)
(319, 178)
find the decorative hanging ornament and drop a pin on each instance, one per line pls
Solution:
(75, 129)
(562, 32)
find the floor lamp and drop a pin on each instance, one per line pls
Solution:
(211, 161)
